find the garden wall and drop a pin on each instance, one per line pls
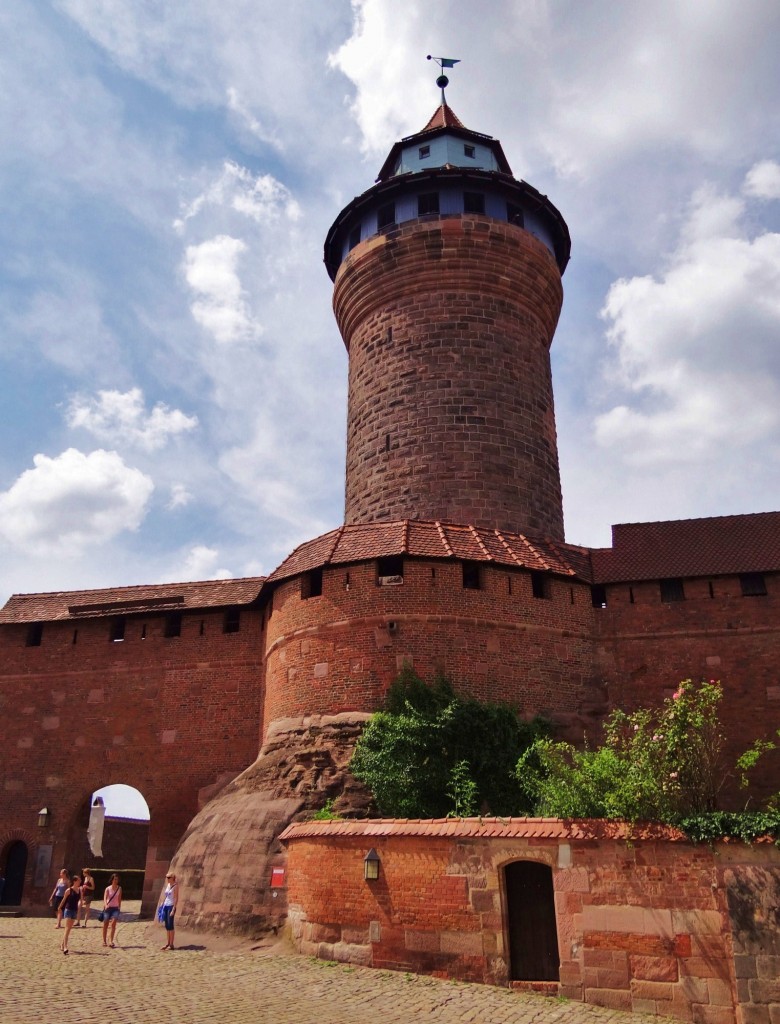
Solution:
(645, 921)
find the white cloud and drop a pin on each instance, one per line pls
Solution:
(180, 497)
(199, 563)
(696, 347)
(120, 417)
(73, 501)
(260, 197)
(763, 180)
(221, 307)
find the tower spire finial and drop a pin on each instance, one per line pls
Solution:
(442, 81)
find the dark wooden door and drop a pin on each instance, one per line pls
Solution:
(533, 938)
(15, 867)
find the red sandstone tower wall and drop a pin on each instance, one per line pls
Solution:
(448, 323)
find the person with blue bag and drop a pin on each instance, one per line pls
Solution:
(166, 909)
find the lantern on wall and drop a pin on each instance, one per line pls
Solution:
(371, 865)
(43, 817)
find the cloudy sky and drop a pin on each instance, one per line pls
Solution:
(173, 382)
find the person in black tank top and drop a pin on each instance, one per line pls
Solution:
(70, 909)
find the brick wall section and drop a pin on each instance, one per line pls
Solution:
(646, 647)
(337, 653)
(165, 716)
(642, 926)
(448, 323)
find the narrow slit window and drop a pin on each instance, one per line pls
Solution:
(671, 590)
(540, 585)
(118, 629)
(471, 576)
(385, 216)
(311, 584)
(473, 202)
(172, 625)
(514, 215)
(423, 152)
(470, 152)
(752, 584)
(232, 620)
(390, 570)
(428, 202)
(34, 634)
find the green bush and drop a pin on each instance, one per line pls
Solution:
(655, 764)
(431, 753)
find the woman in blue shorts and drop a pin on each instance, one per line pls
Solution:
(112, 902)
(169, 899)
(70, 909)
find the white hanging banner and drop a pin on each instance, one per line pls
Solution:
(97, 817)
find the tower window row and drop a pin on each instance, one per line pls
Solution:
(444, 202)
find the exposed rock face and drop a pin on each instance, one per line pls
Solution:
(225, 860)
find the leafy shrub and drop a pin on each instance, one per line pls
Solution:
(431, 753)
(656, 764)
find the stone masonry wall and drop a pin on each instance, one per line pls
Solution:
(642, 926)
(338, 652)
(448, 323)
(646, 647)
(166, 716)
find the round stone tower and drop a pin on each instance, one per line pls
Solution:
(447, 293)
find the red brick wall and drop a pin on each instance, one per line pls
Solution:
(448, 324)
(336, 653)
(645, 648)
(165, 716)
(642, 926)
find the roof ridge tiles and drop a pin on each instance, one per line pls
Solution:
(136, 586)
(510, 550)
(475, 534)
(444, 539)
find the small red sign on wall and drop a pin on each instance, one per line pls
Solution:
(277, 877)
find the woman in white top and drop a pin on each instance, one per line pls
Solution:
(169, 900)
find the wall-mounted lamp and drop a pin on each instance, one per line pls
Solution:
(371, 865)
(43, 817)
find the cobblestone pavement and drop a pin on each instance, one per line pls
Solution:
(208, 979)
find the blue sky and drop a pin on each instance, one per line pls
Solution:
(173, 383)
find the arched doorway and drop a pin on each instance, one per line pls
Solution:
(110, 833)
(14, 868)
(533, 936)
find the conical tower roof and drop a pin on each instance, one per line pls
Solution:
(445, 124)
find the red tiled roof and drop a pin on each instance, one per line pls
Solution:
(443, 117)
(69, 604)
(719, 546)
(418, 539)
(506, 828)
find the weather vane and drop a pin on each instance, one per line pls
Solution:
(444, 62)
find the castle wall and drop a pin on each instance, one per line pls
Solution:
(164, 715)
(648, 925)
(645, 648)
(339, 652)
(448, 323)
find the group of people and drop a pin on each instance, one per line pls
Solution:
(72, 898)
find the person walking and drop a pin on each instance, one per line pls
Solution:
(87, 892)
(70, 909)
(169, 900)
(58, 892)
(112, 903)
